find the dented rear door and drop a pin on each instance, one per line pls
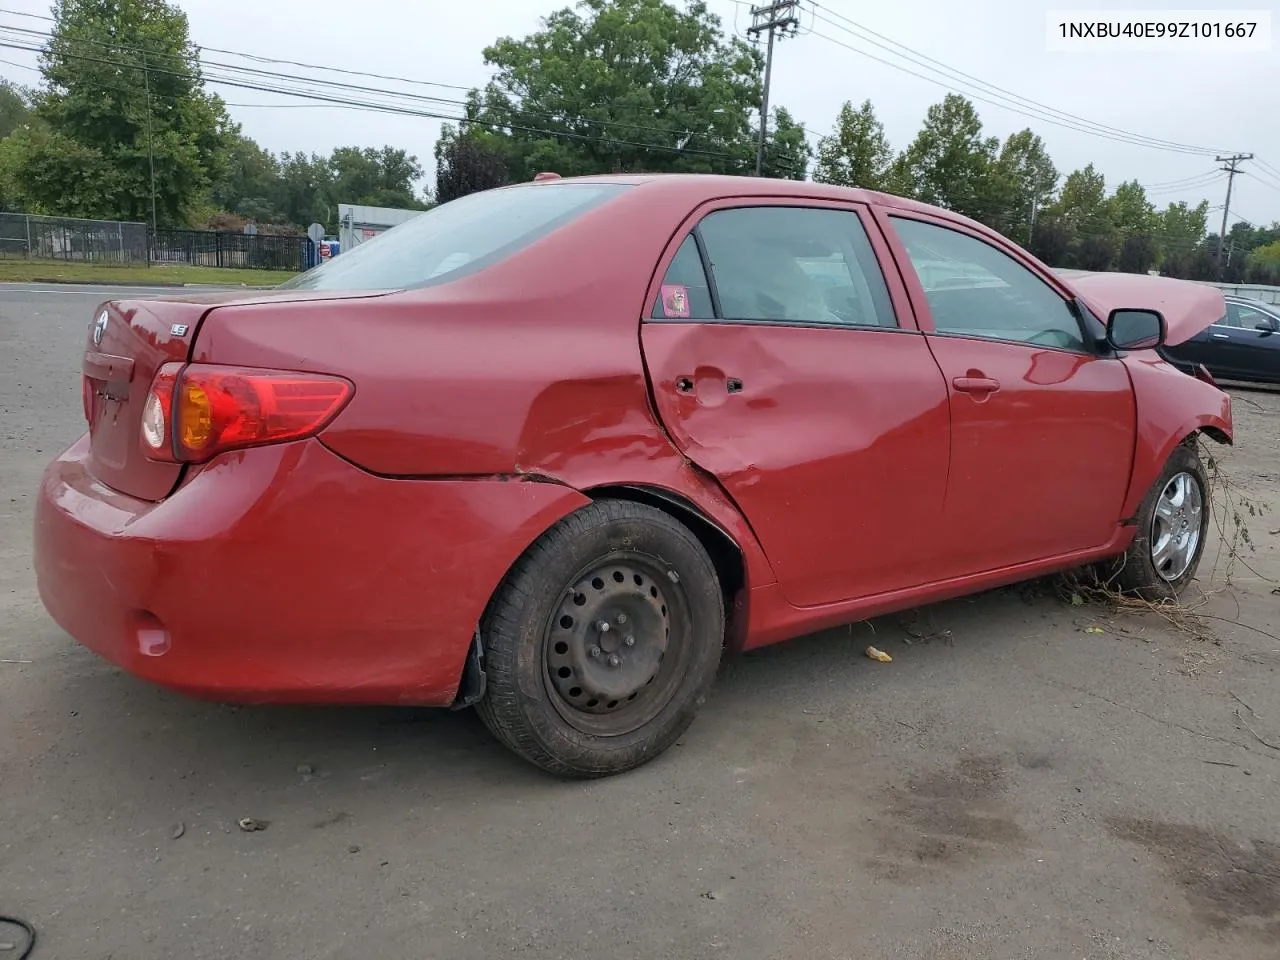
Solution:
(785, 362)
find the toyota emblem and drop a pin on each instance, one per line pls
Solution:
(99, 328)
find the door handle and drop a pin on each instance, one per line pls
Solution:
(975, 384)
(1219, 336)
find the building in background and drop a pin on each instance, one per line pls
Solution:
(358, 223)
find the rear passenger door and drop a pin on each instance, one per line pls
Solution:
(785, 362)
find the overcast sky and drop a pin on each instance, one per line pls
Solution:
(1228, 100)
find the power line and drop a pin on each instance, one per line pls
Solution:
(311, 94)
(1014, 102)
(1184, 181)
(312, 82)
(1265, 183)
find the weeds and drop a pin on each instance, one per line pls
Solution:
(1230, 512)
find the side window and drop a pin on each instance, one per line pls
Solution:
(795, 265)
(975, 290)
(1233, 318)
(1250, 318)
(685, 293)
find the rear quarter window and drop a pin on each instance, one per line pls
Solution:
(457, 238)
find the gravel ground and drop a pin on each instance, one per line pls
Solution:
(1014, 787)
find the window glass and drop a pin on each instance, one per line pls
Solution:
(457, 238)
(797, 265)
(1250, 318)
(684, 293)
(976, 290)
(1232, 318)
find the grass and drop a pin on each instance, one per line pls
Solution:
(35, 271)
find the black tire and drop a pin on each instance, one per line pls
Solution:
(541, 632)
(1137, 572)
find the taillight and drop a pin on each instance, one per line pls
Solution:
(195, 412)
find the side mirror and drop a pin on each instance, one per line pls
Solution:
(1136, 329)
(1268, 326)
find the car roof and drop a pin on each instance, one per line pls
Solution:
(1251, 302)
(712, 186)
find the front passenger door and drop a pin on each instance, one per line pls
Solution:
(1042, 427)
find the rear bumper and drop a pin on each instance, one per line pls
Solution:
(284, 574)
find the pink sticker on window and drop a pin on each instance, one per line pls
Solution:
(675, 300)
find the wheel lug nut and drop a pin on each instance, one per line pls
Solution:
(602, 626)
(594, 650)
(622, 618)
(630, 641)
(615, 661)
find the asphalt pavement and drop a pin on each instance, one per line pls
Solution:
(1013, 785)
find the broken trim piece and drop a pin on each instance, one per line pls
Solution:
(475, 681)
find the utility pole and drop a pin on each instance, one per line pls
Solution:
(777, 17)
(1231, 171)
(151, 157)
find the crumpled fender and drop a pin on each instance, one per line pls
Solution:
(1171, 407)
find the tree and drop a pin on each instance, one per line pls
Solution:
(466, 163)
(1024, 179)
(1082, 202)
(1138, 254)
(15, 107)
(1051, 240)
(1130, 211)
(379, 178)
(950, 161)
(856, 153)
(786, 149)
(250, 181)
(305, 190)
(626, 85)
(1181, 230)
(122, 90)
(1082, 209)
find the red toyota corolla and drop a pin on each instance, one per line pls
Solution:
(548, 449)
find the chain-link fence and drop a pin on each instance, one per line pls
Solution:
(30, 237)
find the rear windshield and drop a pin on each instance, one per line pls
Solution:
(456, 238)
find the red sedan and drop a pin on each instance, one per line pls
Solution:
(549, 449)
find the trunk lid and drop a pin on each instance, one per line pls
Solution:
(126, 343)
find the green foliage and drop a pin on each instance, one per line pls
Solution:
(631, 85)
(250, 181)
(465, 163)
(379, 178)
(15, 107)
(856, 153)
(122, 90)
(950, 162)
(1022, 183)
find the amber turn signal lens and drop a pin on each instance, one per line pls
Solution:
(216, 408)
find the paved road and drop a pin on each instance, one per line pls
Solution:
(1017, 789)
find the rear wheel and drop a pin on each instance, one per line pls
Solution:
(1173, 523)
(602, 641)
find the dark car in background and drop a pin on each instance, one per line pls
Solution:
(1243, 345)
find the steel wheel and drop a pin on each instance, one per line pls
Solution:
(602, 640)
(612, 662)
(1176, 525)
